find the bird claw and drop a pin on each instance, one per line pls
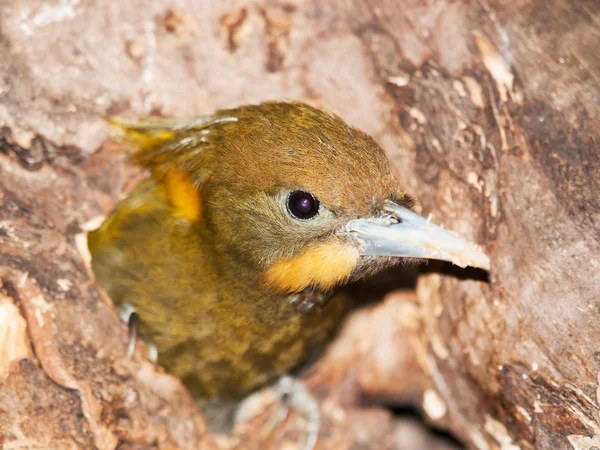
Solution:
(291, 394)
(130, 316)
(132, 323)
(308, 300)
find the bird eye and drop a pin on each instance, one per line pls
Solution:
(302, 205)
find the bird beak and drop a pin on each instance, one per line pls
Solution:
(403, 233)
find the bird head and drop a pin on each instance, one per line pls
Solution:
(292, 192)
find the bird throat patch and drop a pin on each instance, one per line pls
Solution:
(322, 267)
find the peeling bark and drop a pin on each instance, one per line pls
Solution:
(489, 111)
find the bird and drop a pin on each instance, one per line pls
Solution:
(233, 251)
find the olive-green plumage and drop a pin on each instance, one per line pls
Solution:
(231, 288)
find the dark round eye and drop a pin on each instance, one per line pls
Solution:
(302, 205)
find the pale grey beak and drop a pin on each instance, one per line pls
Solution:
(404, 233)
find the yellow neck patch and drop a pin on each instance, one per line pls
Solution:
(183, 195)
(323, 267)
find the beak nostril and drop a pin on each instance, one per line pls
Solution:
(395, 219)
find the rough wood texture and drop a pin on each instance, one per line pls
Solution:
(489, 111)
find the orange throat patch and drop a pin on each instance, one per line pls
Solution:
(325, 266)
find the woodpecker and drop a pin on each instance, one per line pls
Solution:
(233, 250)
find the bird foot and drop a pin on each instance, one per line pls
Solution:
(308, 300)
(290, 393)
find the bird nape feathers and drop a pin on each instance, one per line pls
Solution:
(232, 250)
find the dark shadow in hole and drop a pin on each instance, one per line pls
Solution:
(409, 412)
(373, 289)
(460, 273)
(404, 277)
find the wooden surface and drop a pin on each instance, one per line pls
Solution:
(489, 111)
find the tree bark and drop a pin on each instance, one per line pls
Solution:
(489, 112)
